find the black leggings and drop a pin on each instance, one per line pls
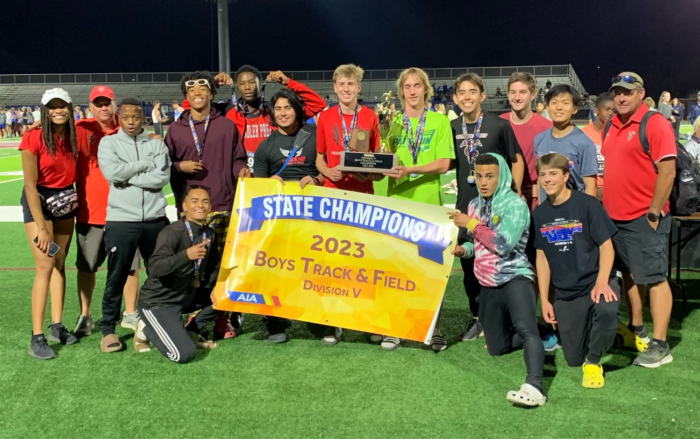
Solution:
(509, 318)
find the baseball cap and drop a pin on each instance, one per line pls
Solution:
(55, 93)
(628, 80)
(101, 91)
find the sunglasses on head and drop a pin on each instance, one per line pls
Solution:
(192, 83)
(627, 79)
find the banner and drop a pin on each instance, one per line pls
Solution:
(336, 258)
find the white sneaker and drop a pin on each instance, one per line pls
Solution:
(129, 320)
(334, 339)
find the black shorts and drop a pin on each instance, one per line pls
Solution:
(641, 250)
(91, 252)
(48, 216)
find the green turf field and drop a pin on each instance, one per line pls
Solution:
(303, 389)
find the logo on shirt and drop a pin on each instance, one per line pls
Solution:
(561, 232)
(298, 159)
(258, 130)
(631, 135)
(424, 144)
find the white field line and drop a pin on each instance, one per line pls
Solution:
(10, 181)
(13, 214)
(11, 173)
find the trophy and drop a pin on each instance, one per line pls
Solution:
(359, 159)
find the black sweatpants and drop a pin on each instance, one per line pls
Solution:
(165, 330)
(587, 329)
(471, 285)
(509, 318)
(121, 241)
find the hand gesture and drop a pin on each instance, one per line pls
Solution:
(197, 251)
(191, 167)
(548, 313)
(278, 77)
(460, 219)
(44, 239)
(603, 290)
(223, 79)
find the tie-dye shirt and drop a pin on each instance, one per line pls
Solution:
(500, 233)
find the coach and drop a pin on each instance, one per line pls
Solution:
(637, 188)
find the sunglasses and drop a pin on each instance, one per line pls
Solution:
(194, 82)
(627, 79)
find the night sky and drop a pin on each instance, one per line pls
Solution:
(656, 38)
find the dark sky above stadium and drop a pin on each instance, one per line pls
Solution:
(656, 38)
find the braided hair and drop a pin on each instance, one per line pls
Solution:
(69, 131)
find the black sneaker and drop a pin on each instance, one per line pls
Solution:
(60, 334)
(473, 331)
(40, 349)
(655, 356)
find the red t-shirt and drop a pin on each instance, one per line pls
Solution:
(54, 172)
(526, 133)
(629, 175)
(92, 187)
(329, 134)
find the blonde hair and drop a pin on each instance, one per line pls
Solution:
(349, 71)
(421, 76)
(696, 125)
(650, 103)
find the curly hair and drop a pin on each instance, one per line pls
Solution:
(199, 75)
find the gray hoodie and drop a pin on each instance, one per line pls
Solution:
(137, 169)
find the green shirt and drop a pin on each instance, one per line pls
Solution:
(436, 144)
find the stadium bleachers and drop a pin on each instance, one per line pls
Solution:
(16, 90)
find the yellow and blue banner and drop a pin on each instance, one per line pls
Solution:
(337, 258)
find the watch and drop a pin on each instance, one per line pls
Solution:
(317, 181)
(652, 217)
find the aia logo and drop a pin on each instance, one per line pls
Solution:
(631, 135)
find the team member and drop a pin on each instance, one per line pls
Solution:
(157, 118)
(636, 198)
(567, 139)
(93, 190)
(475, 133)
(251, 116)
(605, 109)
(48, 199)
(206, 149)
(575, 252)
(181, 275)
(499, 221)
(522, 90)
(137, 168)
(289, 154)
(335, 129)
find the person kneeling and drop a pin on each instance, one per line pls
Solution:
(499, 222)
(575, 250)
(181, 275)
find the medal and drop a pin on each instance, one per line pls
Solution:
(200, 150)
(347, 133)
(361, 136)
(415, 175)
(470, 151)
(198, 262)
(471, 179)
(414, 143)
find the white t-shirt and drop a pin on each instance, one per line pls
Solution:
(154, 117)
(37, 115)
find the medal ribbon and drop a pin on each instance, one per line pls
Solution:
(486, 210)
(471, 143)
(200, 150)
(198, 262)
(414, 143)
(347, 134)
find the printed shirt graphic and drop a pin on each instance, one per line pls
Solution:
(597, 138)
(436, 144)
(570, 235)
(578, 148)
(273, 151)
(257, 129)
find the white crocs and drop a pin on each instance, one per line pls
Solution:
(527, 396)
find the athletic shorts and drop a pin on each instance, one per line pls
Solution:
(91, 248)
(48, 216)
(2, 126)
(641, 250)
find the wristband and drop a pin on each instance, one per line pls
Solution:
(472, 224)
(317, 181)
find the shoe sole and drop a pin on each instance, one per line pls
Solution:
(30, 352)
(664, 360)
(553, 348)
(392, 348)
(141, 349)
(330, 343)
(128, 326)
(512, 397)
(481, 334)
(58, 340)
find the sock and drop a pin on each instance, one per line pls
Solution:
(661, 343)
(592, 359)
(638, 330)
(539, 389)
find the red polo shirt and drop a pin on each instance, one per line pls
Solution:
(629, 174)
(92, 187)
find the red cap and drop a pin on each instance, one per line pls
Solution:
(101, 91)
(186, 105)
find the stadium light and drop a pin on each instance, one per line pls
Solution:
(223, 34)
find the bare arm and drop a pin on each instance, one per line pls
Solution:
(30, 170)
(607, 257)
(591, 186)
(518, 170)
(664, 184)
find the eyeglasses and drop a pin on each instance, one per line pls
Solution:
(627, 79)
(194, 82)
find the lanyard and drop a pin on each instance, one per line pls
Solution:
(414, 143)
(198, 262)
(470, 150)
(486, 210)
(244, 108)
(346, 133)
(196, 141)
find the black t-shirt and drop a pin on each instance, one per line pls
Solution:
(273, 151)
(570, 235)
(496, 136)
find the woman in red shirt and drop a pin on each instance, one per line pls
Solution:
(49, 205)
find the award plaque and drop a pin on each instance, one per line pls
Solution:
(359, 159)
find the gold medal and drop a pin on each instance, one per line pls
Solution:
(361, 135)
(196, 283)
